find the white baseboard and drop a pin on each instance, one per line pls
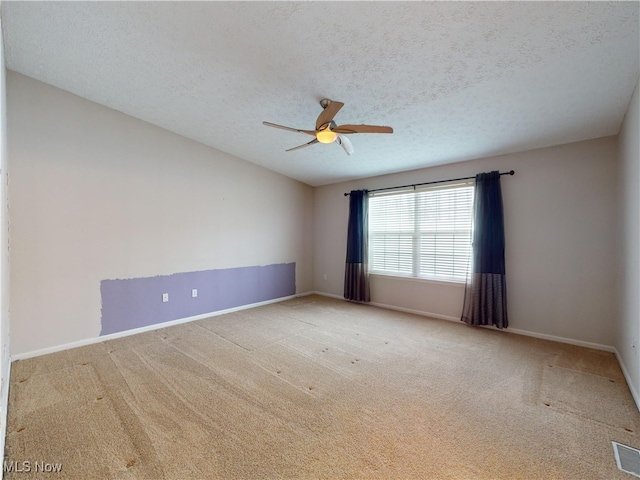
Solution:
(416, 312)
(323, 294)
(570, 341)
(543, 336)
(156, 326)
(625, 372)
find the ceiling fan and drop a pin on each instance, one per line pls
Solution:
(328, 132)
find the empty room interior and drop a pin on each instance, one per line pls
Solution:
(348, 240)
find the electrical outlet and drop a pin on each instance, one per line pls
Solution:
(165, 297)
(194, 293)
(324, 277)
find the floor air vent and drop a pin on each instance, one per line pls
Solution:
(628, 458)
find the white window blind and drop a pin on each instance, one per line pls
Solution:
(423, 233)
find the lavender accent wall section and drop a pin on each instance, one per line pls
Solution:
(137, 302)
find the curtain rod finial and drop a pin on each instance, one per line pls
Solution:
(511, 172)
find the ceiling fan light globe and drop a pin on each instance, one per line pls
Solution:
(326, 136)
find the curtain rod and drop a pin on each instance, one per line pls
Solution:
(510, 172)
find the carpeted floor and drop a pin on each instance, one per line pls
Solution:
(316, 388)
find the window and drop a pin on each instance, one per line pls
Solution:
(422, 233)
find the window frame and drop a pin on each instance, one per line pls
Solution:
(418, 234)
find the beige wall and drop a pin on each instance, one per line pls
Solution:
(96, 194)
(5, 362)
(560, 211)
(629, 247)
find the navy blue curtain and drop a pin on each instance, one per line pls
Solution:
(356, 274)
(485, 299)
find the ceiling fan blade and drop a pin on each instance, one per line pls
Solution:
(362, 129)
(275, 125)
(315, 140)
(345, 143)
(328, 113)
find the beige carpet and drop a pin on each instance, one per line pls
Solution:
(319, 388)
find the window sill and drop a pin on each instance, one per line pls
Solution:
(419, 279)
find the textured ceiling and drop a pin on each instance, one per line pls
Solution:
(455, 80)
